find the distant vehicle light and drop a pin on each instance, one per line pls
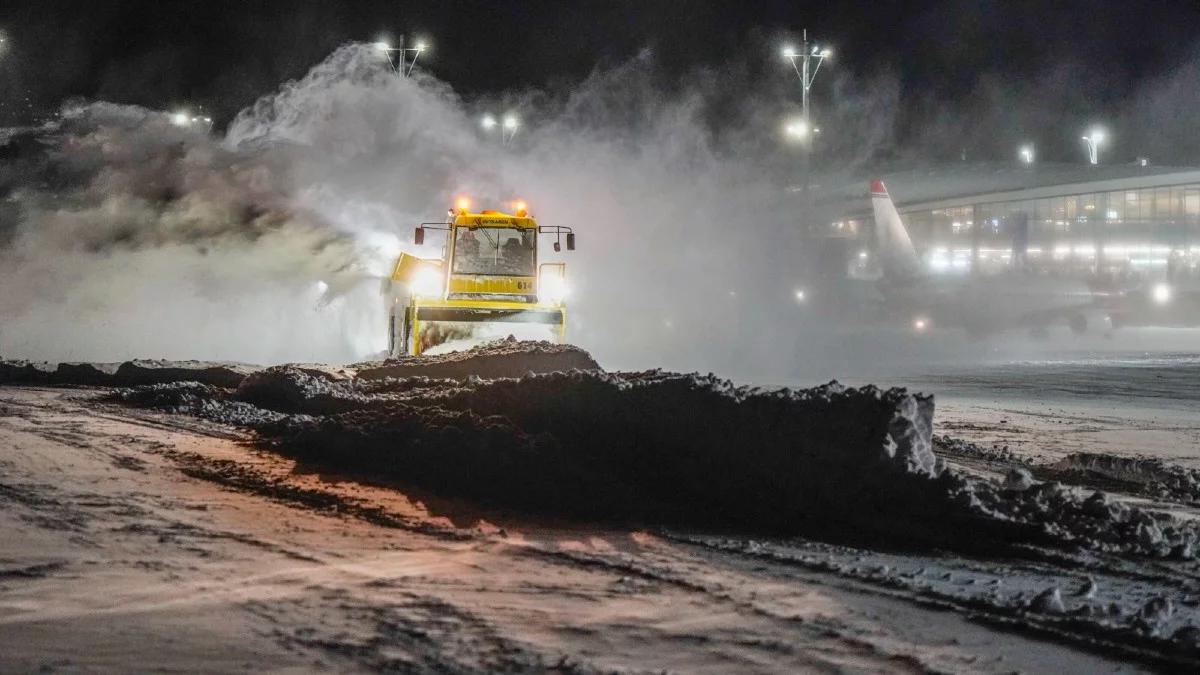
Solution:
(1161, 293)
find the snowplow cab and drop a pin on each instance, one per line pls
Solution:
(490, 282)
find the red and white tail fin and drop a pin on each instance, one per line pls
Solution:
(896, 251)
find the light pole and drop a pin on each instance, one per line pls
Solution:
(805, 70)
(403, 64)
(508, 126)
(1026, 153)
(1094, 138)
(802, 129)
(511, 124)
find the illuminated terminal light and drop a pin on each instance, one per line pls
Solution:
(488, 122)
(511, 122)
(462, 203)
(789, 52)
(180, 119)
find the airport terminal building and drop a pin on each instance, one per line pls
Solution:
(1128, 222)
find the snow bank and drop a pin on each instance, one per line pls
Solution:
(127, 374)
(654, 446)
(502, 358)
(845, 464)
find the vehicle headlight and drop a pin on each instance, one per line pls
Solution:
(552, 288)
(426, 281)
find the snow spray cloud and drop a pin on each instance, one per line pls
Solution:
(127, 236)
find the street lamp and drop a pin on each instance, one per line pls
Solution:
(797, 129)
(1026, 153)
(508, 126)
(182, 118)
(1094, 138)
(801, 130)
(404, 63)
(511, 124)
(802, 63)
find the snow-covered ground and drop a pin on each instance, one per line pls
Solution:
(1121, 403)
(139, 540)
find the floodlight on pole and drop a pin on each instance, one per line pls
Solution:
(806, 62)
(488, 122)
(797, 129)
(511, 124)
(802, 62)
(1026, 153)
(1094, 139)
(405, 57)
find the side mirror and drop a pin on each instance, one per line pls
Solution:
(570, 241)
(557, 247)
(419, 236)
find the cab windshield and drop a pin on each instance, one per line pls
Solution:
(499, 251)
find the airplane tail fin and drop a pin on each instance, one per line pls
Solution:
(896, 251)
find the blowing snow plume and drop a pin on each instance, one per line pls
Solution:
(125, 236)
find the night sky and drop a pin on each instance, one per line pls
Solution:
(223, 55)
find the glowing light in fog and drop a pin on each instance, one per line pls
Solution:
(552, 288)
(1161, 293)
(796, 129)
(180, 119)
(463, 203)
(800, 295)
(920, 324)
(488, 122)
(426, 282)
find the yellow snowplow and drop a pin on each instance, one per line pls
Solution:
(489, 278)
